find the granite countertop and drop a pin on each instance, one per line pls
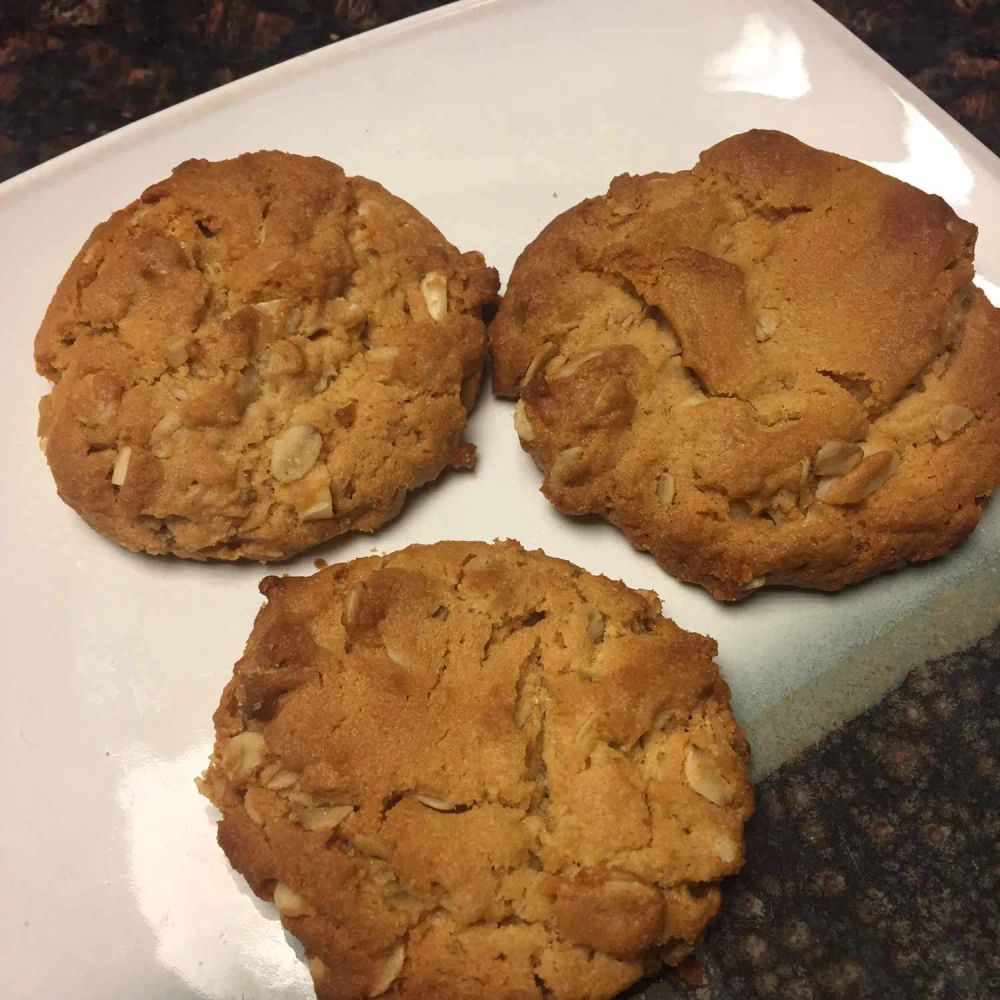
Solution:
(873, 869)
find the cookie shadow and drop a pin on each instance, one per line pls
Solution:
(665, 985)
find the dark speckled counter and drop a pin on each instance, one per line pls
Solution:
(873, 864)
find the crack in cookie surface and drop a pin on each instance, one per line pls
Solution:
(692, 350)
(263, 337)
(499, 789)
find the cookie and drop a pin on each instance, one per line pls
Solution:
(257, 355)
(466, 770)
(771, 369)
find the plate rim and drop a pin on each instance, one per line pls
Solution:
(851, 48)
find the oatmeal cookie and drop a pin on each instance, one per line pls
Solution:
(257, 355)
(466, 770)
(771, 369)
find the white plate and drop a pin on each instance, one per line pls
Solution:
(489, 117)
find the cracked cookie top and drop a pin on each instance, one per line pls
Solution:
(773, 368)
(257, 355)
(464, 770)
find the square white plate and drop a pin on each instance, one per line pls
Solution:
(490, 117)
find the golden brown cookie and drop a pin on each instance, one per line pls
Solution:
(770, 369)
(466, 770)
(257, 355)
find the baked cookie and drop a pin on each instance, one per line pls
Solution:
(257, 355)
(466, 770)
(770, 369)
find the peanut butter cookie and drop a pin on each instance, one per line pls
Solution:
(466, 770)
(771, 369)
(257, 355)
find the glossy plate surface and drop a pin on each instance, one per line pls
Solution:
(490, 117)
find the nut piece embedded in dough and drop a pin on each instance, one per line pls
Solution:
(243, 754)
(390, 970)
(177, 353)
(322, 817)
(284, 358)
(434, 289)
(665, 489)
(522, 424)
(382, 355)
(321, 506)
(438, 805)
(862, 481)
(96, 398)
(294, 452)
(564, 466)
(596, 623)
(289, 902)
(293, 320)
(702, 774)
(951, 418)
(317, 969)
(726, 848)
(277, 777)
(574, 365)
(250, 808)
(120, 470)
(352, 606)
(767, 323)
(836, 458)
(384, 363)
(542, 357)
(165, 426)
(161, 442)
(372, 846)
